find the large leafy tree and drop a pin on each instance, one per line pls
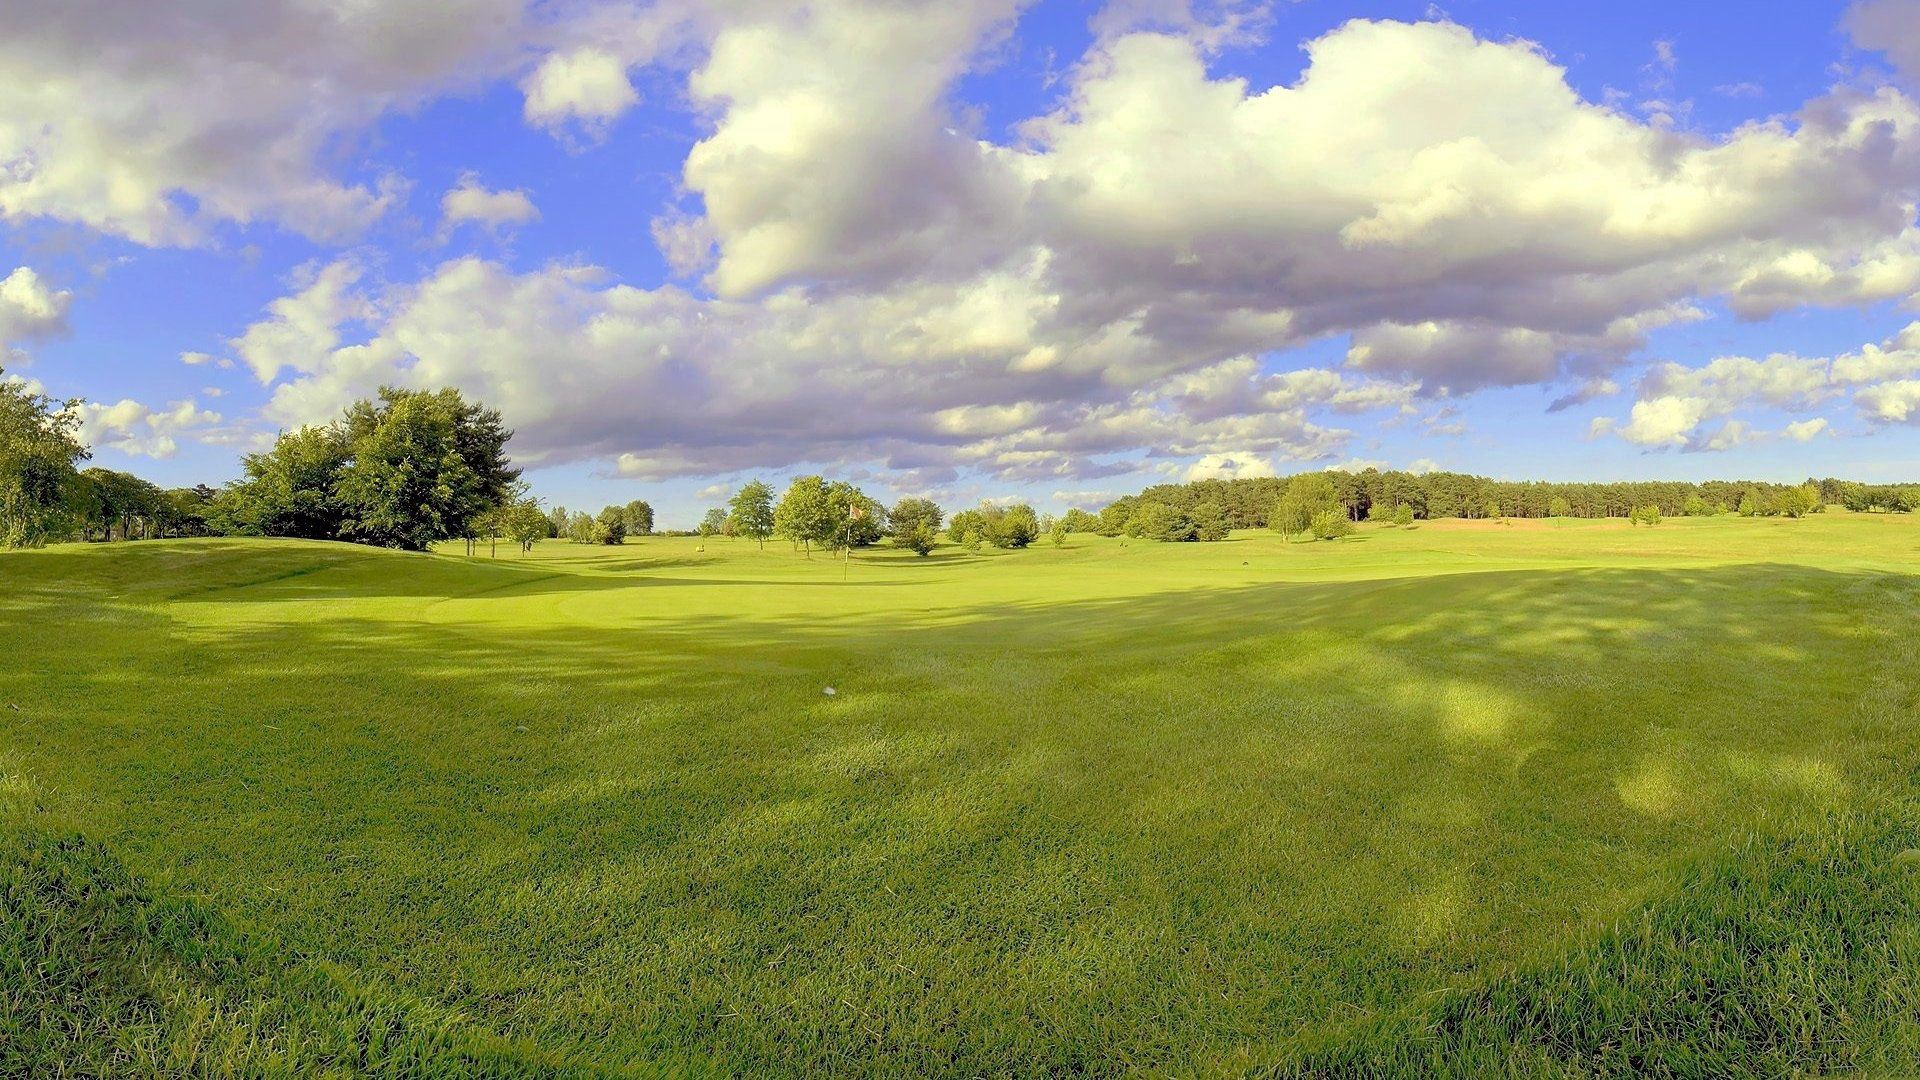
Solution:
(805, 514)
(751, 511)
(403, 470)
(39, 454)
(526, 524)
(858, 520)
(107, 500)
(639, 514)
(423, 466)
(289, 490)
(611, 526)
(915, 524)
(1307, 495)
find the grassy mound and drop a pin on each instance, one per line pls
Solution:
(100, 976)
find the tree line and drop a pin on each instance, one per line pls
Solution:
(1208, 509)
(411, 468)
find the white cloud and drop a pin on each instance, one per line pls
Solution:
(30, 309)
(201, 359)
(1674, 401)
(665, 383)
(588, 86)
(304, 328)
(1805, 430)
(1895, 402)
(1232, 465)
(891, 282)
(133, 428)
(157, 122)
(1358, 465)
(470, 202)
(1450, 202)
(835, 153)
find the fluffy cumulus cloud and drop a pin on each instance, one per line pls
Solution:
(133, 428)
(469, 202)
(588, 86)
(930, 380)
(873, 275)
(1450, 201)
(881, 281)
(1674, 404)
(156, 122)
(30, 308)
(303, 329)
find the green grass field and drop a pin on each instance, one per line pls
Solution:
(1561, 798)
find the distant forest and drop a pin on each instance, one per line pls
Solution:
(1248, 503)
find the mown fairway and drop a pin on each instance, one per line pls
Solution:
(1560, 796)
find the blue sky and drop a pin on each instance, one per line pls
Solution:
(980, 248)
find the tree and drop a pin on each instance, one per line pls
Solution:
(1750, 503)
(580, 529)
(1695, 506)
(713, 522)
(1011, 526)
(557, 520)
(1158, 521)
(1403, 515)
(1210, 522)
(610, 527)
(858, 520)
(964, 524)
(1644, 515)
(423, 466)
(805, 514)
(639, 515)
(1057, 535)
(525, 525)
(39, 454)
(1306, 496)
(1796, 502)
(290, 490)
(751, 510)
(1558, 506)
(1079, 521)
(405, 470)
(113, 501)
(915, 524)
(1330, 524)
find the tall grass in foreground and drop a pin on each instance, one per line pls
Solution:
(1785, 956)
(102, 977)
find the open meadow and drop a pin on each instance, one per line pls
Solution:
(1542, 798)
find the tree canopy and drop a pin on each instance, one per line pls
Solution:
(403, 471)
(751, 511)
(39, 454)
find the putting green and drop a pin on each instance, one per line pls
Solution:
(1115, 807)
